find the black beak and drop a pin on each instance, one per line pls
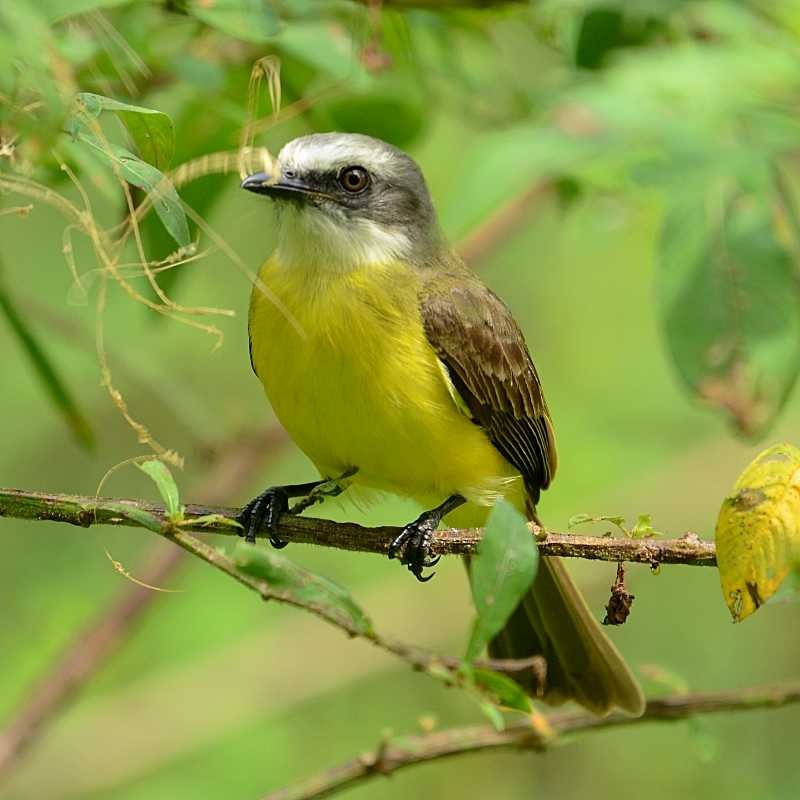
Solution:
(261, 183)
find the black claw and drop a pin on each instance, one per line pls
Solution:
(416, 538)
(415, 541)
(264, 511)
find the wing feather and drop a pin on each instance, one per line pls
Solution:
(484, 353)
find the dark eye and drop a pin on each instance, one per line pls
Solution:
(354, 179)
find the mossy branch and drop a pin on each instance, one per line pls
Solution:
(86, 511)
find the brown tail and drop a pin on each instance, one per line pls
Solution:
(583, 664)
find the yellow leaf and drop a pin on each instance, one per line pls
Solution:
(758, 530)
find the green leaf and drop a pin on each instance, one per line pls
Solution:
(46, 371)
(758, 530)
(582, 519)
(730, 304)
(152, 131)
(192, 139)
(493, 692)
(159, 473)
(500, 573)
(251, 20)
(297, 585)
(166, 202)
(643, 529)
(502, 690)
(212, 521)
(138, 515)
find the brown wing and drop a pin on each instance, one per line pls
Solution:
(477, 339)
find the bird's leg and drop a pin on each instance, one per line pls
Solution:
(416, 537)
(265, 509)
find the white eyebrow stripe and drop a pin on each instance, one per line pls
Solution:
(313, 155)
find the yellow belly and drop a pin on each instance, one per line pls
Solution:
(353, 379)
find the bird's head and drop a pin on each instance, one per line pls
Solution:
(346, 200)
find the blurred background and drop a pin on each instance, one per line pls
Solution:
(624, 175)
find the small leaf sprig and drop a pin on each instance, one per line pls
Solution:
(641, 529)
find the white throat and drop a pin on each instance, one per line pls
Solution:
(310, 237)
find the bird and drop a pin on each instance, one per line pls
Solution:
(395, 369)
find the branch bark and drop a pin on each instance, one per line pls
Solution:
(87, 511)
(536, 734)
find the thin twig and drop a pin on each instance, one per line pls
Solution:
(536, 734)
(86, 511)
(94, 645)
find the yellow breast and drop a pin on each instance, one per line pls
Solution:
(353, 379)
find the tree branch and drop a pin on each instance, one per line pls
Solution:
(538, 733)
(86, 511)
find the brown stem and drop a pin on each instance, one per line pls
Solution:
(86, 511)
(533, 734)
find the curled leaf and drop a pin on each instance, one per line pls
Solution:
(159, 473)
(166, 202)
(304, 588)
(152, 131)
(135, 514)
(758, 530)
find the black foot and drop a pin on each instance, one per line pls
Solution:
(415, 540)
(265, 511)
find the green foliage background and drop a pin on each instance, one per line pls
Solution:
(660, 263)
